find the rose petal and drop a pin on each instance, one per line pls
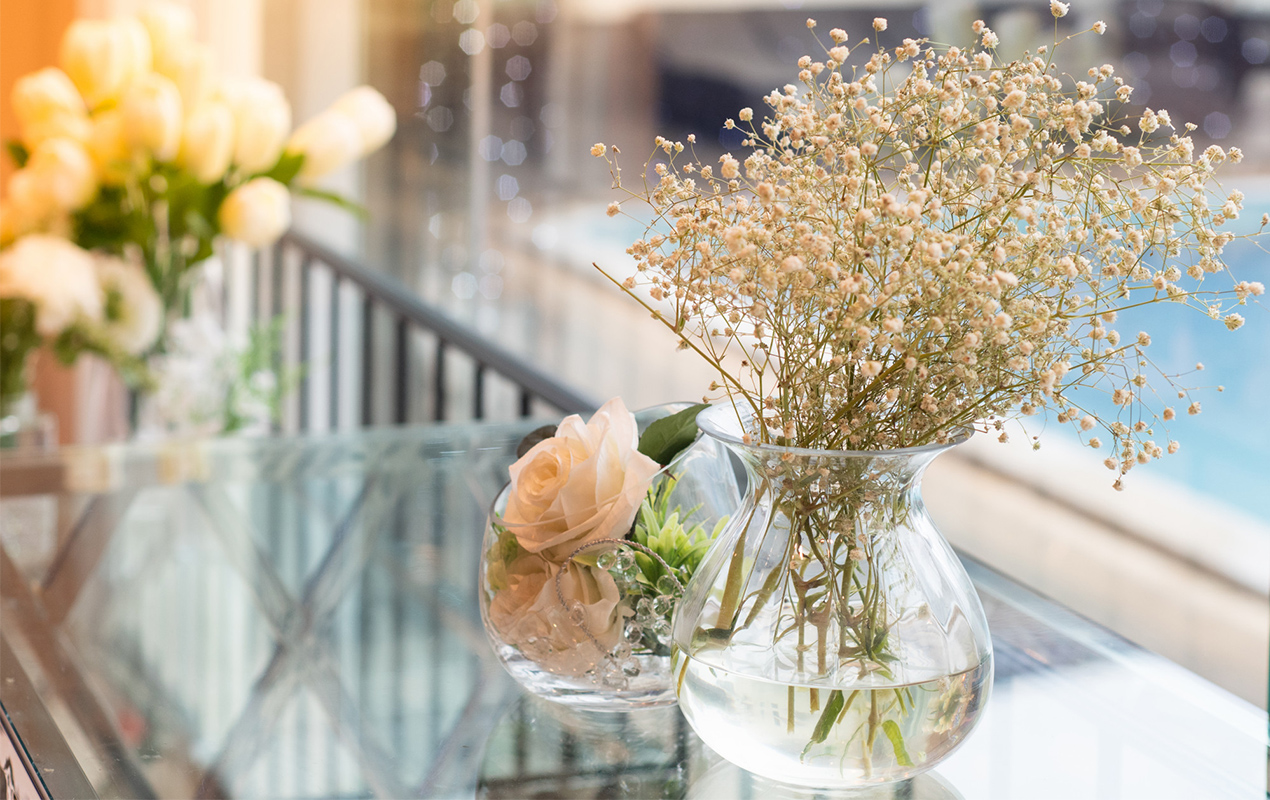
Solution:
(583, 484)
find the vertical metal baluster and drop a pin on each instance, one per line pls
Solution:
(403, 370)
(276, 277)
(306, 265)
(335, 350)
(226, 291)
(526, 400)
(278, 357)
(478, 392)
(253, 309)
(368, 360)
(438, 389)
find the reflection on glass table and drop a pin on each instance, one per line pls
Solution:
(297, 618)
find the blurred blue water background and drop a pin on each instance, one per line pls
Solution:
(1225, 450)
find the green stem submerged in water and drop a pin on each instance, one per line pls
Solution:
(829, 596)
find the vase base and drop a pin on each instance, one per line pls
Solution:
(590, 692)
(724, 778)
(827, 737)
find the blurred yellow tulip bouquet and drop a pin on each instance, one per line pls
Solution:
(134, 157)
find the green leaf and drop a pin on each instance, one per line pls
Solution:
(111, 222)
(826, 722)
(286, 169)
(669, 436)
(351, 206)
(17, 152)
(535, 436)
(19, 339)
(892, 732)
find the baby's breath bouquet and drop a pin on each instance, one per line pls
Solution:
(921, 240)
(934, 240)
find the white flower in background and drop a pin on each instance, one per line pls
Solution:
(45, 93)
(136, 45)
(193, 70)
(47, 104)
(373, 115)
(190, 64)
(9, 225)
(583, 484)
(108, 146)
(251, 403)
(526, 606)
(207, 143)
(62, 171)
(193, 378)
(257, 212)
(57, 277)
(262, 120)
(170, 27)
(133, 312)
(60, 126)
(26, 207)
(103, 57)
(27, 210)
(152, 116)
(328, 141)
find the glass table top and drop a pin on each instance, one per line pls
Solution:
(297, 618)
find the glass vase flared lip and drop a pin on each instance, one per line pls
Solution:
(710, 419)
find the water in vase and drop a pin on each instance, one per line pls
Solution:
(823, 736)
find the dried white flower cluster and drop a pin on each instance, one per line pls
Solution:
(934, 240)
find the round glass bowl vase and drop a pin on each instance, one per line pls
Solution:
(590, 629)
(831, 638)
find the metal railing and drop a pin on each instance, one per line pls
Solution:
(371, 352)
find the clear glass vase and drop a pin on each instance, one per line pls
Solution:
(586, 629)
(831, 637)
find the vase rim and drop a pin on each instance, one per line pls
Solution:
(709, 423)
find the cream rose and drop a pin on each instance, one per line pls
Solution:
(583, 484)
(527, 612)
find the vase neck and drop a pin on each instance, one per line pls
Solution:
(856, 473)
